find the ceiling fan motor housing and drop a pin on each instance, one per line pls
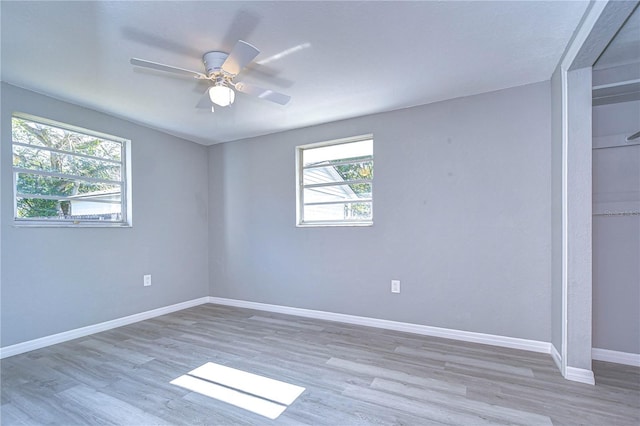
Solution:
(213, 61)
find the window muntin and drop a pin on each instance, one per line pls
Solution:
(65, 175)
(335, 182)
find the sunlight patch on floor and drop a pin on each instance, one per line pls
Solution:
(258, 394)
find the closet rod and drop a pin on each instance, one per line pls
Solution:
(634, 136)
(617, 146)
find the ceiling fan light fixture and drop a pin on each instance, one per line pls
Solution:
(221, 95)
(221, 70)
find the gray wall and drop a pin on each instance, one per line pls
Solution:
(461, 216)
(58, 279)
(616, 239)
(579, 245)
(462, 201)
(556, 210)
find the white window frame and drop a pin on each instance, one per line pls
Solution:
(125, 180)
(300, 221)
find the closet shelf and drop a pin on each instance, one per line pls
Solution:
(617, 214)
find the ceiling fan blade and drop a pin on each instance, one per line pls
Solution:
(261, 93)
(240, 56)
(205, 101)
(167, 68)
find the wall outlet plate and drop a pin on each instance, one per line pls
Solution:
(395, 286)
(147, 280)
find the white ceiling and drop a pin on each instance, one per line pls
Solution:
(349, 58)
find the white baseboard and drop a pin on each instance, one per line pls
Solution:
(625, 358)
(467, 336)
(555, 355)
(31, 345)
(580, 375)
(572, 373)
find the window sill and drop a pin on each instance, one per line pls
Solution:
(332, 224)
(36, 224)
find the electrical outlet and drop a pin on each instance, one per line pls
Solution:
(395, 286)
(147, 280)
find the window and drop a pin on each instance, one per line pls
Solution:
(335, 182)
(67, 176)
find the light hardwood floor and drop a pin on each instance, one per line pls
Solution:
(353, 375)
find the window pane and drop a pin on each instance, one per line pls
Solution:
(338, 212)
(343, 151)
(338, 173)
(37, 134)
(336, 182)
(67, 174)
(39, 159)
(352, 191)
(72, 210)
(27, 183)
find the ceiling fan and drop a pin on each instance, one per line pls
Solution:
(221, 70)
